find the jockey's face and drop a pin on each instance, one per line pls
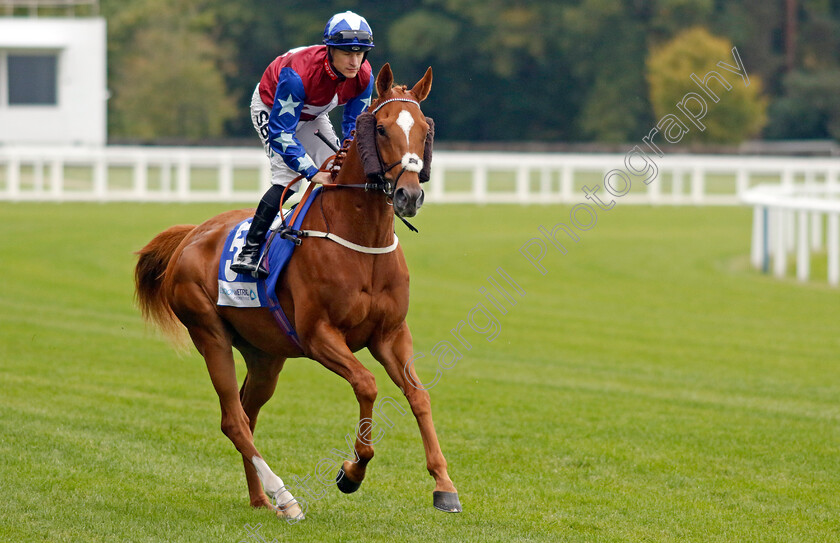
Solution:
(348, 63)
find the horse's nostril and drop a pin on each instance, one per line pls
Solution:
(420, 199)
(401, 197)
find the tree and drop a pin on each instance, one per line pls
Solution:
(498, 72)
(170, 90)
(552, 70)
(810, 107)
(741, 111)
(166, 71)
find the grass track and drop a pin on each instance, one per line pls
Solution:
(648, 387)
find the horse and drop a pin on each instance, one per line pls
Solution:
(339, 300)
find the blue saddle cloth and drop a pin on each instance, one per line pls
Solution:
(239, 290)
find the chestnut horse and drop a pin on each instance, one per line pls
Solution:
(339, 300)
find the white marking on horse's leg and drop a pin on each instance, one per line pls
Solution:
(274, 486)
(405, 121)
(412, 163)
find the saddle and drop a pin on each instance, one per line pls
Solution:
(240, 290)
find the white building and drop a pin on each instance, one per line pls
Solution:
(53, 87)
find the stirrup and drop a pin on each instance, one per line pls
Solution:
(252, 268)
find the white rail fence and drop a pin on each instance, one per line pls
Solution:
(187, 174)
(796, 200)
(796, 219)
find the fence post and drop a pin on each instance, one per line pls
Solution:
(780, 239)
(183, 178)
(765, 250)
(523, 182)
(742, 181)
(790, 229)
(57, 179)
(698, 185)
(758, 228)
(654, 191)
(833, 242)
(567, 181)
(480, 184)
(13, 177)
(140, 176)
(803, 248)
(100, 177)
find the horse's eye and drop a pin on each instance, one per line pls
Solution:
(380, 129)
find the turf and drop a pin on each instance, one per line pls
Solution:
(648, 387)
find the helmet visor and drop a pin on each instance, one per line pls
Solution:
(349, 37)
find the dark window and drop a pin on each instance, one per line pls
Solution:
(33, 80)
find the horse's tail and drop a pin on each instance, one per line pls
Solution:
(149, 275)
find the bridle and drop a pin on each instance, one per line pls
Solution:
(374, 168)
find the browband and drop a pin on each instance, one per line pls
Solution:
(409, 100)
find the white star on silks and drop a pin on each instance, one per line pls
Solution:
(304, 163)
(285, 139)
(366, 102)
(287, 106)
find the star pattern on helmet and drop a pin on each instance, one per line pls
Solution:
(287, 106)
(353, 20)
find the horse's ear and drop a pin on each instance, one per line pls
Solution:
(422, 88)
(385, 80)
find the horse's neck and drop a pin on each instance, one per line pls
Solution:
(364, 215)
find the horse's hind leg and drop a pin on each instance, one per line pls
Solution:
(257, 389)
(393, 353)
(214, 344)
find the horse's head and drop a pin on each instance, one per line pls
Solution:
(394, 139)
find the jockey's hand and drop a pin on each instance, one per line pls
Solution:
(322, 178)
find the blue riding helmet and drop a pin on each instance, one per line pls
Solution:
(348, 31)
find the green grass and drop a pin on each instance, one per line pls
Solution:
(648, 387)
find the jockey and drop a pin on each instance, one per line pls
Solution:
(292, 102)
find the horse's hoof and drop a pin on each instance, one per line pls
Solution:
(290, 511)
(447, 501)
(344, 484)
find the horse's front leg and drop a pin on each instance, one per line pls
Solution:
(394, 352)
(328, 346)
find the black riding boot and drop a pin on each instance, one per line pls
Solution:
(247, 261)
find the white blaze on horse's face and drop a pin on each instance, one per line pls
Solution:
(405, 121)
(410, 161)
